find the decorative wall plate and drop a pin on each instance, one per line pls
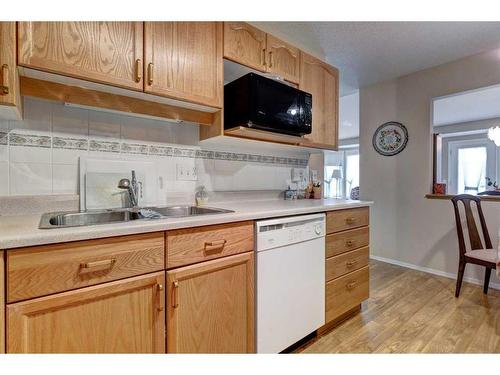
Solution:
(390, 138)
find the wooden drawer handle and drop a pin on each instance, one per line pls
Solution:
(271, 59)
(4, 88)
(351, 286)
(216, 243)
(350, 220)
(263, 57)
(349, 243)
(175, 300)
(106, 263)
(351, 264)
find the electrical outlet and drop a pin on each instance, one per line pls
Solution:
(187, 172)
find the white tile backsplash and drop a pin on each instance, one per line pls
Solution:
(64, 178)
(30, 178)
(104, 124)
(69, 120)
(4, 178)
(43, 153)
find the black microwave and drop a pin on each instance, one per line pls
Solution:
(258, 102)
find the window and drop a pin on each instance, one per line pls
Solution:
(351, 171)
(470, 160)
(341, 172)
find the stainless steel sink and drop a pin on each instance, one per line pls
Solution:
(183, 211)
(76, 219)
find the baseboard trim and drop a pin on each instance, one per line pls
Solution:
(432, 271)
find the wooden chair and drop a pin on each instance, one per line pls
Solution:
(478, 254)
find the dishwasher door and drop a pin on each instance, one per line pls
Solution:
(290, 294)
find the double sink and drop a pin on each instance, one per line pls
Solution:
(76, 219)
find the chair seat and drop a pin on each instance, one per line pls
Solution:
(488, 255)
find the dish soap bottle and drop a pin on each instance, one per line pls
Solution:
(201, 196)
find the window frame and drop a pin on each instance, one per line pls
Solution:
(452, 150)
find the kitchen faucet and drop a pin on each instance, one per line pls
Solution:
(132, 187)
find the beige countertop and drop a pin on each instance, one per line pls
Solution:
(22, 230)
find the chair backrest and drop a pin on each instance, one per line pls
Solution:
(475, 239)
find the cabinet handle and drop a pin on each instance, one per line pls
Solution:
(350, 220)
(175, 298)
(5, 80)
(270, 59)
(138, 70)
(349, 243)
(352, 263)
(263, 58)
(150, 74)
(351, 286)
(216, 243)
(159, 290)
(106, 263)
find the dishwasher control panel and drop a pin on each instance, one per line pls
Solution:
(285, 231)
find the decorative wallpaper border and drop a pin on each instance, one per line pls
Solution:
(83, 144)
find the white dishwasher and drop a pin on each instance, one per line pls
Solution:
(290, 280)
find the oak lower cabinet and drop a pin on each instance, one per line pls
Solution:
(2, 304)
(211, 306)
(125, 316)
(347, 271)
(184, 61)
(105, 52)
(10, 100)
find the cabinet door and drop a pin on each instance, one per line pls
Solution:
(184, 61)
(9, 84)
(245, 44)
(283, 59)
(2, 304)
(321, 80)
(331, 107)
(211, 306)
(125, 316)
(105, 52)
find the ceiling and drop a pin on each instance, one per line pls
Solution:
(371, 52)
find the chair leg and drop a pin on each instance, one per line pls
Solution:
(461, 270)
(487, 274)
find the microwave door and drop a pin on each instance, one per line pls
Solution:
(278, 110)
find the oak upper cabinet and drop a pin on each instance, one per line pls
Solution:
(254, 48)
(106, 52)
(183, 60)
(211, 306)
(125, 316)
(321, 80)
(2, 304)
(283, 59)
(245, 44)
(10, 101)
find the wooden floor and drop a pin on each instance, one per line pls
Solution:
(415, 312)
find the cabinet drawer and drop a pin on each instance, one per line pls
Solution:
(346, 292)
(193, 245)
(42, 270)
(341, 264)
(339, 243)
(337, 221)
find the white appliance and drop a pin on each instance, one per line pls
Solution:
(290, 280)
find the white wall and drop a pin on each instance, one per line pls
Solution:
(39, 155)
(405, 226)
(349, 116)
